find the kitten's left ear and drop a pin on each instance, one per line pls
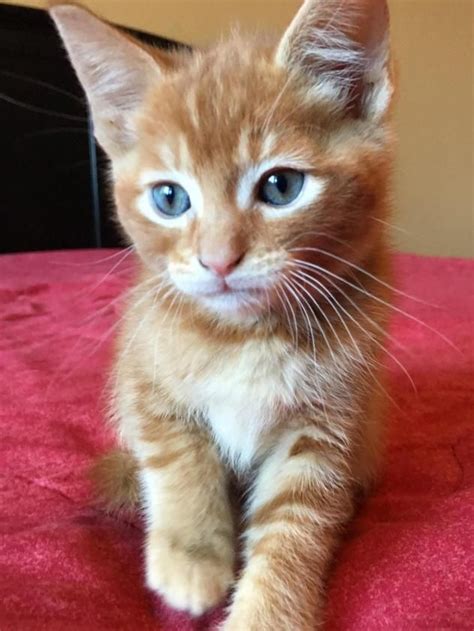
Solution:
(114, 71)
(341, 48)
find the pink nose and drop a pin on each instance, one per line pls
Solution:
(221, 265)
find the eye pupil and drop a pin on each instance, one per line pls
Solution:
(168, 192)
(280, 181)
(280, 188)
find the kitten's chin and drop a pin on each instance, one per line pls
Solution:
(235, 305)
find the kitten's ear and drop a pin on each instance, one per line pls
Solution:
(114, 71)
(342, 48)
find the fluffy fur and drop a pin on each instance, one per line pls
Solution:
(253, 339)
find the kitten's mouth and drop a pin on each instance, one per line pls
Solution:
(229, 296)
(229, 299)
(227, 290)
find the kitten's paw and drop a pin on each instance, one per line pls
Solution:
(192, 578)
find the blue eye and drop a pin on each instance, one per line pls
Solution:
(280, 188)
(170, 199)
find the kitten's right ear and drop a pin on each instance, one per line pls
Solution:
(114, 71)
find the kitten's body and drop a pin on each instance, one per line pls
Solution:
(251, 343)
(243, 384)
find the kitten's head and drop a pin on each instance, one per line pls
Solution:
(233, 163)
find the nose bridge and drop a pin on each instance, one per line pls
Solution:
(221, 236)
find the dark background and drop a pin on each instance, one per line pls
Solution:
(53, 182)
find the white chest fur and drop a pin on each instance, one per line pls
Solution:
(242, 394)
(238, 428)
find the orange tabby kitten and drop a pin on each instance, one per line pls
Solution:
(252, 178)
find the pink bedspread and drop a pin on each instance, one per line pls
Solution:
(407, 561)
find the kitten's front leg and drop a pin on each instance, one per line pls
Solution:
(301, 498)
(190, 536)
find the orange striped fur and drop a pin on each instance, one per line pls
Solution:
(253, 340)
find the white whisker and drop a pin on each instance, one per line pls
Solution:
(384, 302)
(384, 349)
(327, 296)
(96, 262)
(40, 110)
(321, 311)
(368, 364)
(293, 315)
(43, 84)
(392, 226)
(376, 325)
(127, 253)
(323, 235)
(59, 376)
(363, 271)
(322, 399)
(283, 301)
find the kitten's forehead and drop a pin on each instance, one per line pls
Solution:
(177, 152)
(227, 107)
